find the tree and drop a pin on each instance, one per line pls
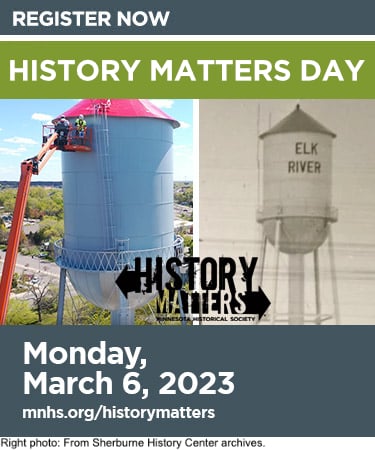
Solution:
(15, 280)
(8, 198)
(3, 232)
(44, 298)
(188, 243)
(51, 229)
(41, 201)
(19, 313)
(79, 311)
(184, 195)
(44, 202)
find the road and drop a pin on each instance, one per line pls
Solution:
(33, 265)
(41, 268)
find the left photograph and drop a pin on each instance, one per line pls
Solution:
(96, 209)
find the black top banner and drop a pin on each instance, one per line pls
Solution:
(191, 18)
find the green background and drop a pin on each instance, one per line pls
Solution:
(143, 87)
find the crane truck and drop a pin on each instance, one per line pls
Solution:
(33, 166)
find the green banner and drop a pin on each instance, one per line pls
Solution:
(187, 69)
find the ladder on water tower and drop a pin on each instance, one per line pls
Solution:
(102, 144)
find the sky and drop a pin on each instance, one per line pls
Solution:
(21, 133)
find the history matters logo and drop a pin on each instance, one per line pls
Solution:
(198, 290)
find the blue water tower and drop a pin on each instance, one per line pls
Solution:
(118, 201)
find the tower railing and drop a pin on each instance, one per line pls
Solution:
(278, 212)
(111, 261)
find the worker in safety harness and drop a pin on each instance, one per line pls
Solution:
(81, 126)
(62, 129)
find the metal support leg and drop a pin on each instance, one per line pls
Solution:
(333, 276)
(124, 315)
(262, 257)
(277, 256)
(296, 310)
(115, 317)
(61, 299)
(318, 307)
(182, 313)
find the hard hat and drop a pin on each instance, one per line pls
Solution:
(62, 116)
(81, 116)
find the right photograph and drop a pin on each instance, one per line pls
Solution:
(292, 183)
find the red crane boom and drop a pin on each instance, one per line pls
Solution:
(28, 167)
(32, 166)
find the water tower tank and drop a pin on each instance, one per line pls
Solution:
(118, 198)
(297, 182)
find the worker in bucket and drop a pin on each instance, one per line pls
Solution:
(62, 130)
(81, 126)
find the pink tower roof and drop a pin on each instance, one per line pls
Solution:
(119, 107)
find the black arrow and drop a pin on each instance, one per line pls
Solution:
(130, 281)
(256, 302)
(127, 281)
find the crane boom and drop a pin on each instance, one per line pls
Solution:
(28, 167)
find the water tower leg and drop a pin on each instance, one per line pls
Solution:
(124, 315)
(333, 276)
(317, 288)
(61, 299)
(115, 317)
(277, 256)
(182, 314)
(296, 289)
(262, 258)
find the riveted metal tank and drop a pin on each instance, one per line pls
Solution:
(297, 182)
(118, 198)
